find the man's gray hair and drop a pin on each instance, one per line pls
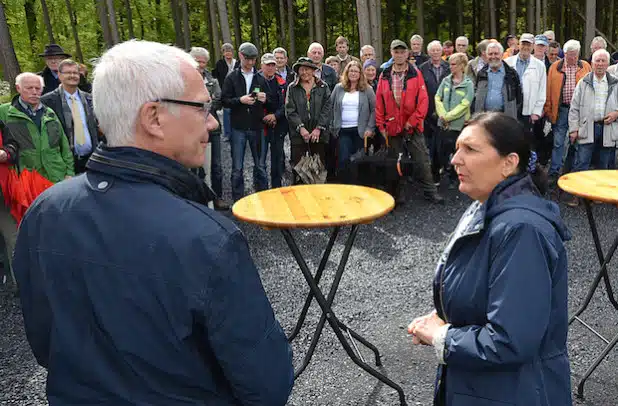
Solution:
(481, 48)
(315, 45)
(280, 50)
(416, 37)
(495, 45)
(227, 47)
(463, 38)
(129, 75)
(550, 33)
(67, 62)
(572, 45)
(600, 52)
(25, 75)
(600, 40)
(199, 51)
(433, 44)
(367, 47)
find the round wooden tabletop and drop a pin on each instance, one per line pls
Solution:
(314, 206)
(601, 185)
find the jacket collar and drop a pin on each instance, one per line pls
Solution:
(318, 82)
(562, 61)
(141, 166)
(611, 79)
(411, 73)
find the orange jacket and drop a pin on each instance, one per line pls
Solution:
(555, 83)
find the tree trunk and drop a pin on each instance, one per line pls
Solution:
(375, 15)
(179, 40)
(460, 18)
(104, 22)
(591, 8)
(420, 19)
(513, 17)
(545, 20)
(127, 6)
(364, 28)
(610, 22)
(111, 12)
(530, 16)
(292, 35)
(224, 21)
(73, 19)
(48, 26)
(236, 21)
(7, 51)
(475, 34)
(255, 24)
(214, 50)
(216, 43)
(537, 22)
(559, 19)
(186, 31)
(31, 24)
(320, 28)
(311, 20)
(282, 23)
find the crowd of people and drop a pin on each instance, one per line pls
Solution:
(144, 295)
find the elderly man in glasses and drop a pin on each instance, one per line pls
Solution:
(133, 291)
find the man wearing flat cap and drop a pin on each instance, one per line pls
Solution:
(243, 93)
(53, 55)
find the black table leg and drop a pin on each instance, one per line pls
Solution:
(602, 274)
(317, 277)
(328, 315)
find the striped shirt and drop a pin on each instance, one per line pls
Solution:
(601, 89)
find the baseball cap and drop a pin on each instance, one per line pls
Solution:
(527, 38)
(268, 58)
(248, 50)
(541, 40)
(397, 43)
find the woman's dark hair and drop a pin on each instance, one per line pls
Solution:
(507, 135)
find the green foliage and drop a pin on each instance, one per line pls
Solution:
(6, 98)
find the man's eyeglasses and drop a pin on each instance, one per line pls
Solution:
(70, 73)
(204, 107)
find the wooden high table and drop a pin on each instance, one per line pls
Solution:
(322, 206)
(600, 185)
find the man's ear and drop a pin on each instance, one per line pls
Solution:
(149, 120)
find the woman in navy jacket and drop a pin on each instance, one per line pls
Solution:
(500, 291)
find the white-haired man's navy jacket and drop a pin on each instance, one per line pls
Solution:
(135, 293)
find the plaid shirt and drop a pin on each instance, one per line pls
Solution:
(397, 83)
(570, 82)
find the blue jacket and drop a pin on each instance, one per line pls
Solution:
(135, 293)
(503, 287)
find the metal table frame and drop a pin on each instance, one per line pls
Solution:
(342, 331)
(602, 274)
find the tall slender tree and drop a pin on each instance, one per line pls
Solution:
(493, 31)
(364, 23)
(113, 25)
(282, 24)
(291, 26)
(47, 21)
(610, 20)
(186, 30)
(311, 20)
(179, 39)
(73, 20)
(530, 16)
(8, 59)
(236, 21)
(104, 23)
(224, 21)
(127, 6)
(320, 28)
(420, 18)
(31, 23)
(512, 16)
(537, 19)
(255, 24)
(216, 43)
(591, 9)
(375, 16)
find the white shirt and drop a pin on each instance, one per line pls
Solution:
(230, 66)
(248, 79)
(601, 90)
(349, 109)
(533, 84)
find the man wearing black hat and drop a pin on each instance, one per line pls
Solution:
(53, 55)
(243, 93)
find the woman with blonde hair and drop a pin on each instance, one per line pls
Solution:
(354, 117)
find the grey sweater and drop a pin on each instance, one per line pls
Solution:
(366, 110)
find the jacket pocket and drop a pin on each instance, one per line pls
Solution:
(582, 131)
(459, 399)
(393, 127)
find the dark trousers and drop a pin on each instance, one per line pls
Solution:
(447, 144)
(349, 143)
(432, 140)
(414, 146)
(216, 172)
(543, 144)
(273, 138)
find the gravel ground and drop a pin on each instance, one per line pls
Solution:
(387, 283)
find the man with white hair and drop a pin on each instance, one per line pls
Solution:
(475, 65)
(498, 87)
(434, 71)
(367, 52)
(416, 50)
(592, 117)
(461, 46)
(202, 57)
(562, 79)
(596, 44)
(533, 78)
(315, 52)
(33, 139)
(283, 69)
(133, 291)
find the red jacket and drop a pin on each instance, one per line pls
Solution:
(414, 102)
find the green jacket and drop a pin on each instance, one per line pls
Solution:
(45, 150)
(453, 103)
